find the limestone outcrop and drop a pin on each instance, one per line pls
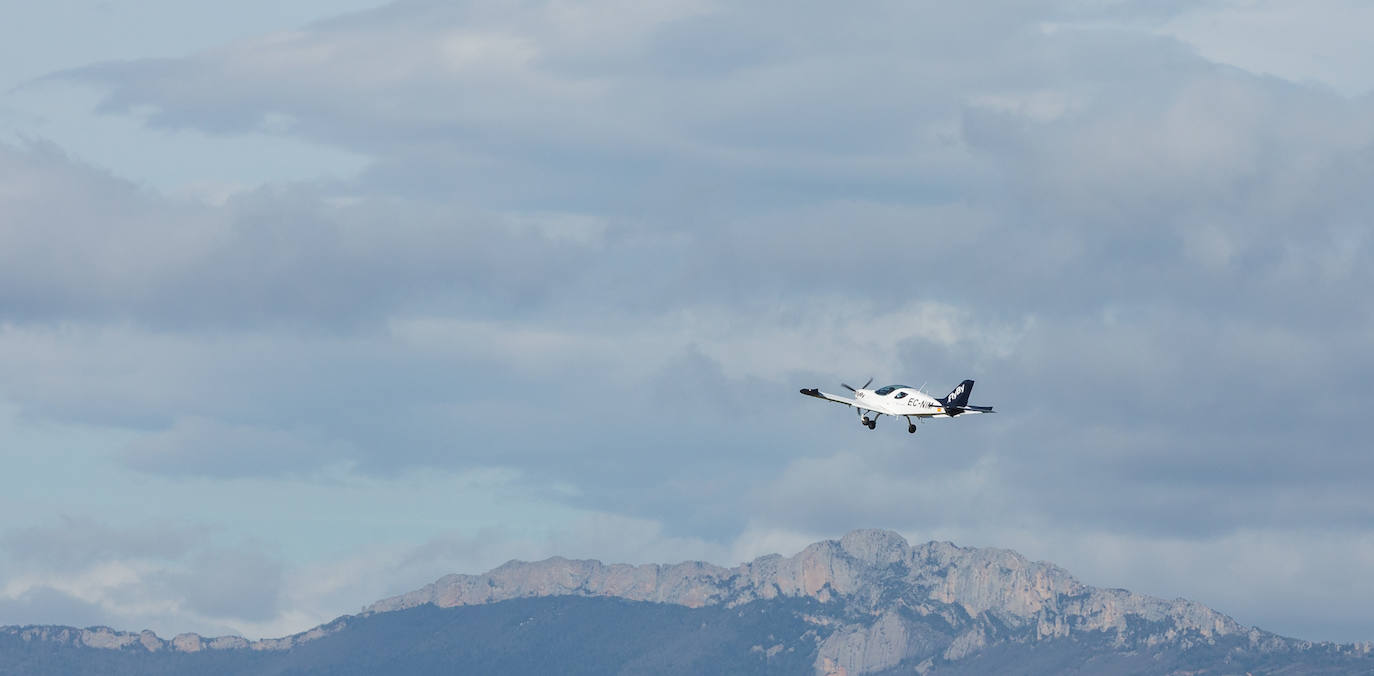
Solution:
(873, 602)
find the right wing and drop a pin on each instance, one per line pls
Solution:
(813, 392)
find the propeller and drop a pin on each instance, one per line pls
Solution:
(870, 382)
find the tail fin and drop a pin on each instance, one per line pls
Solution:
(959, 397)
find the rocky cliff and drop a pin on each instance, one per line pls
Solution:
(873, 603)
(105, 637)
(930, 603)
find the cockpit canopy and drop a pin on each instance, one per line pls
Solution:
(884, 391)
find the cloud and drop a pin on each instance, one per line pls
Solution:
(1303, 45)
(241, 583)
(79, 255)
(44, 605)
(318, 591)
(1117, 219)
(201, 446)
(268, 257)
(1116, 172)
(76, 543)
(81, 571)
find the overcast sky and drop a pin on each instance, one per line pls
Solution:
(305, 304)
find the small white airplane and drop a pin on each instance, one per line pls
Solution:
(901, 401)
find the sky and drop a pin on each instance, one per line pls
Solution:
(307, 304)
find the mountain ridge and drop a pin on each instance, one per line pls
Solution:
(884, 603)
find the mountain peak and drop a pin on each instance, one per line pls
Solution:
(964, 599)
(875, 547)
(867, 602)
(865, 567)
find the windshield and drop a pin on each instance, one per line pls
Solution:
(884, 391)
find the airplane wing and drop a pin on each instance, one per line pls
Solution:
(813, 392)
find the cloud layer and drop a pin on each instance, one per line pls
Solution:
(600, 246)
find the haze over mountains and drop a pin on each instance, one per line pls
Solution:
(865, 604)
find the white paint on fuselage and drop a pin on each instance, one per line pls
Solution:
(902, 401)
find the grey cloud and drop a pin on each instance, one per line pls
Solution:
(78, 542)
(1056, 190)
(75, 256)
(770, 119)
(271, 258)
(1153, 421)
(208, 447)
(241, 583)
(82, 571)
(45, 605)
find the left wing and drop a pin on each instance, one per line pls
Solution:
(813, 392)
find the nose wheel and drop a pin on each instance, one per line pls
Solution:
(910, 428)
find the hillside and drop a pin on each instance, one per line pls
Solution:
(866, 604)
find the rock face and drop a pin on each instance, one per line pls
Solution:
(147, 641)
(872, 603)
(869, 569)
(930, 604)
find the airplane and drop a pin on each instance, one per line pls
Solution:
(902, 401)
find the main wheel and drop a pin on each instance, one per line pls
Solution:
(911, 429)
(872, 424)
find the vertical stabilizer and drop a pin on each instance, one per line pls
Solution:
(959, 396)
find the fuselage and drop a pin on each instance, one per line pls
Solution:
(900, 400)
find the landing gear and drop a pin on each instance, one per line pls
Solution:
(910, 428)
(870, 424)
